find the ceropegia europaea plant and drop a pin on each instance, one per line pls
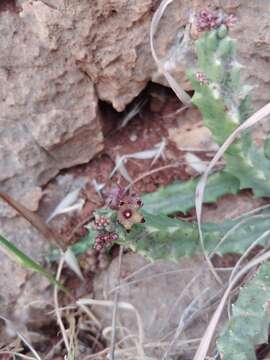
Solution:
(224, 104)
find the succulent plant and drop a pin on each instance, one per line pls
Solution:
(224, 104)
(249, 322)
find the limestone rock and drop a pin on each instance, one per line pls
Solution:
(49, 118)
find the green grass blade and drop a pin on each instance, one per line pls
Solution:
(21, 258)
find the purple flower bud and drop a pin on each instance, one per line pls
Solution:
(206, 21)
(201, 78)
(114, 237)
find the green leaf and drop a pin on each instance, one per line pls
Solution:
(21, 258)
(249, 323)
(180, 197)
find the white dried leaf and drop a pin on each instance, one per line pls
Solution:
(143, 155)
(160, 151)
(119, 166)
(98, 187)
(155, 153)
(72, 262)
(133, 112)
(68, 200)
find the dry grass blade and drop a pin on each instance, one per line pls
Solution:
(21, 336)
(33, 219)
(179, 91)
(148, 173)
(133, 112)
(158, 151)
(14, 353)
(251, 212)
(239, 262)
(195, 162)
(121, 305)
(67, 204)
(57, 309)
(251, 121)
(180, 324)
(177, 112)
(232, 230)
(72, 262)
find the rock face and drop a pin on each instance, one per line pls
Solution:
(48, 121)
(48, 109)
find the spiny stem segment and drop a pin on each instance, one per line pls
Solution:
(179, 197)
(249, 322)
(224, 104)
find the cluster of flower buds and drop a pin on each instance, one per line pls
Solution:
(102, 223)
(104, 239)
(201, 78)
(105, 234)
(207, 20)
(127, 207)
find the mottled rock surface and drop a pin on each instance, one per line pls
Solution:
(48, 108)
